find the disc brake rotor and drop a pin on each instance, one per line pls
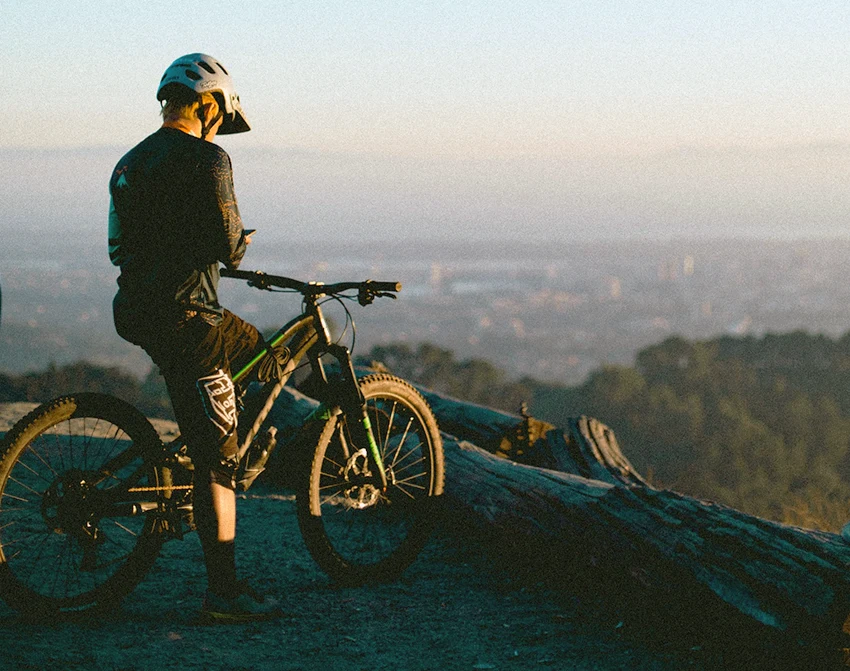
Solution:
(361, 493)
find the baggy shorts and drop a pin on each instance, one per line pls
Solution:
(197, 360)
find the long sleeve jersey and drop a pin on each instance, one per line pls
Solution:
(173, 219)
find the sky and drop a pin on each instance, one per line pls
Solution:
(607, 118)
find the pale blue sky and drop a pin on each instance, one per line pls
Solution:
(469, 79)
(456, 118)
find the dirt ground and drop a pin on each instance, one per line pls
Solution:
(449, 611)
(445, 613)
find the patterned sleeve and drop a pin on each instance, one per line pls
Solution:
(231, 233)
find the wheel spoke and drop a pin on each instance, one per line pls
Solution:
(33, 471)
(386, 440)
(35, 562)
(27, 487)
(415, 449)
(15, 498)
(30, 448)
(340, 485)
(9, 544)
(404, 491)
(60, 564)
(57, 442)
(329, 500)
(409, 481)
(116, 441)
(401, 442)
(410, 465)
(85, 439)
(27, 511)
(377, 423)
(333, 463)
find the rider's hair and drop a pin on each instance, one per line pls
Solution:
(181, 100)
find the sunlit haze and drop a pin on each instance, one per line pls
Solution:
(455, 119)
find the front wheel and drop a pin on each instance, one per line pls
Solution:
(356, 532)
(80, 487)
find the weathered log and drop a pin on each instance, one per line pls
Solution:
(676, 548)
(590, 514)
(585, 447)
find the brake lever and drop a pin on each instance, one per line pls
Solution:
(365, 296)
(259, 281)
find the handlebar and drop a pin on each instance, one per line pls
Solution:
(366, 291)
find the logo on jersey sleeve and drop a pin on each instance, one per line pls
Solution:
(121, 173)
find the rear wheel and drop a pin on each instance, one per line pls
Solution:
(355, 531)
(80, 486)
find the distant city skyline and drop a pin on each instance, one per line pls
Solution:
(632, 119)
(552, 311)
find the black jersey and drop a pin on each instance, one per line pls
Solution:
(173, 219)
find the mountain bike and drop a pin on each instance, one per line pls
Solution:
(89, 492)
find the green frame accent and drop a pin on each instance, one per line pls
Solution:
(373, 447)
(286, 332)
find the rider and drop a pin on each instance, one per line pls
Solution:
(173, 219)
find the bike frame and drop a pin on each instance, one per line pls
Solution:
(308, 335)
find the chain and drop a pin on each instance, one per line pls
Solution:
(159, 489)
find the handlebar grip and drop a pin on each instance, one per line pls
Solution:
(394, 287)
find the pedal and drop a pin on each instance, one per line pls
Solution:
(256, 458)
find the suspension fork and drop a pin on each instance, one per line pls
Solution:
(350, 399)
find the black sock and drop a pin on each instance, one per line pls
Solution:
(220, 557)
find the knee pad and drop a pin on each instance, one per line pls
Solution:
(219, 400)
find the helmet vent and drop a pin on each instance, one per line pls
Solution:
(206, 66)
(194, 76)
(222, 68)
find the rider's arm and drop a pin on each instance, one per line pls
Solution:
(230, 235)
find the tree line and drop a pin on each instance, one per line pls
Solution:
(148, 395)
(761, 424)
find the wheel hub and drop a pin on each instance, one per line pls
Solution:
(69, 507)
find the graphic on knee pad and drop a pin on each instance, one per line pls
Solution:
(219, 401)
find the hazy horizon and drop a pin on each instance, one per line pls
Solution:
(779, 193)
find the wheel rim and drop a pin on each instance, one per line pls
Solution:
(57, 533)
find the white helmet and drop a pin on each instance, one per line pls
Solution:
(204, 74)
